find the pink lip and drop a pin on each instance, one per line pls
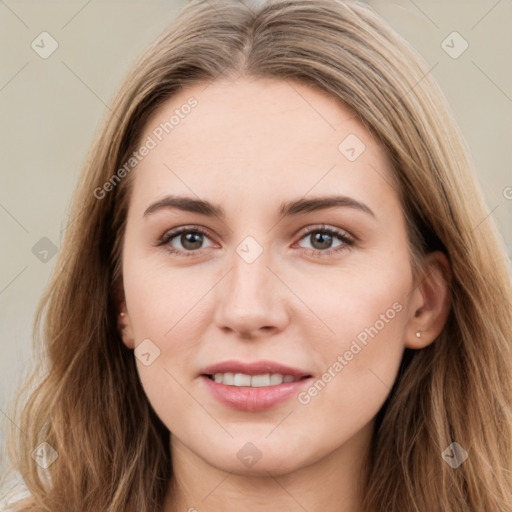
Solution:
(251, 399)
(256, 368)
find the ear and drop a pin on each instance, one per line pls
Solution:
(125, 327)
(430, 302)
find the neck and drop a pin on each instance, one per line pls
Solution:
(332, 483)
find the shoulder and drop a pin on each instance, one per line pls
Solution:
(13, 489)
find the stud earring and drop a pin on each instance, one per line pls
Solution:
(122, 313)
(418, 334)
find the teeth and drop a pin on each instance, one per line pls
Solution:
(228, 379)
(253, 381)
(242, 380)
(259, 381)
(277, 378)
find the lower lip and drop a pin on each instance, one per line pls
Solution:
(251, 399)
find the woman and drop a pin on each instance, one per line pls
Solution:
(201, 357)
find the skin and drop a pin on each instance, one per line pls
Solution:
(249, 145)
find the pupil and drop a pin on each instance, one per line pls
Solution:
(187, 240)
(324, 238)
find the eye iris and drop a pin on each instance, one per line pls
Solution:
(191, 240)
(325, 240)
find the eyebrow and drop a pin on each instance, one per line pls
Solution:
(289, 208)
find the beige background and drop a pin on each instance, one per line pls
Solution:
(50, 108)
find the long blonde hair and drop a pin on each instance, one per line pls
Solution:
(84, 398)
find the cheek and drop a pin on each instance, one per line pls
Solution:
(157, 296)
(361, 360)
(364, 297)
(161, 307)
(166, 306)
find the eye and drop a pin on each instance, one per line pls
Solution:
(322, 239)
(190, 239)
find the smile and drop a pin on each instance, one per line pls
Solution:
(253, 381)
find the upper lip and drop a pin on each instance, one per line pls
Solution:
(254, 368)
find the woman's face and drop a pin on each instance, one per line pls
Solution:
(270, 338)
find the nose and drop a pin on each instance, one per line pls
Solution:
(251, 301)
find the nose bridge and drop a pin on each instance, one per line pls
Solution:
(250, 273)
(249, 282)
(251, 297)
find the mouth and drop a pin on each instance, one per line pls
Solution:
(253, 386)
(253, 381)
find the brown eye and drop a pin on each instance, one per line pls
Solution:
(191, 240)
(322, 240)
(185, 241)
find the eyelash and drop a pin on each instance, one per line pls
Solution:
(345, 238)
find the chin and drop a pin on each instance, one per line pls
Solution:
(259, 458)
(275, 465)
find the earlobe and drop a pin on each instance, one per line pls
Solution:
(124, 327)
(430, 302)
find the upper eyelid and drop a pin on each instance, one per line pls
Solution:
(325, 227)
(173, 233)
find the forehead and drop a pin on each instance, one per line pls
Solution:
(242, 137)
